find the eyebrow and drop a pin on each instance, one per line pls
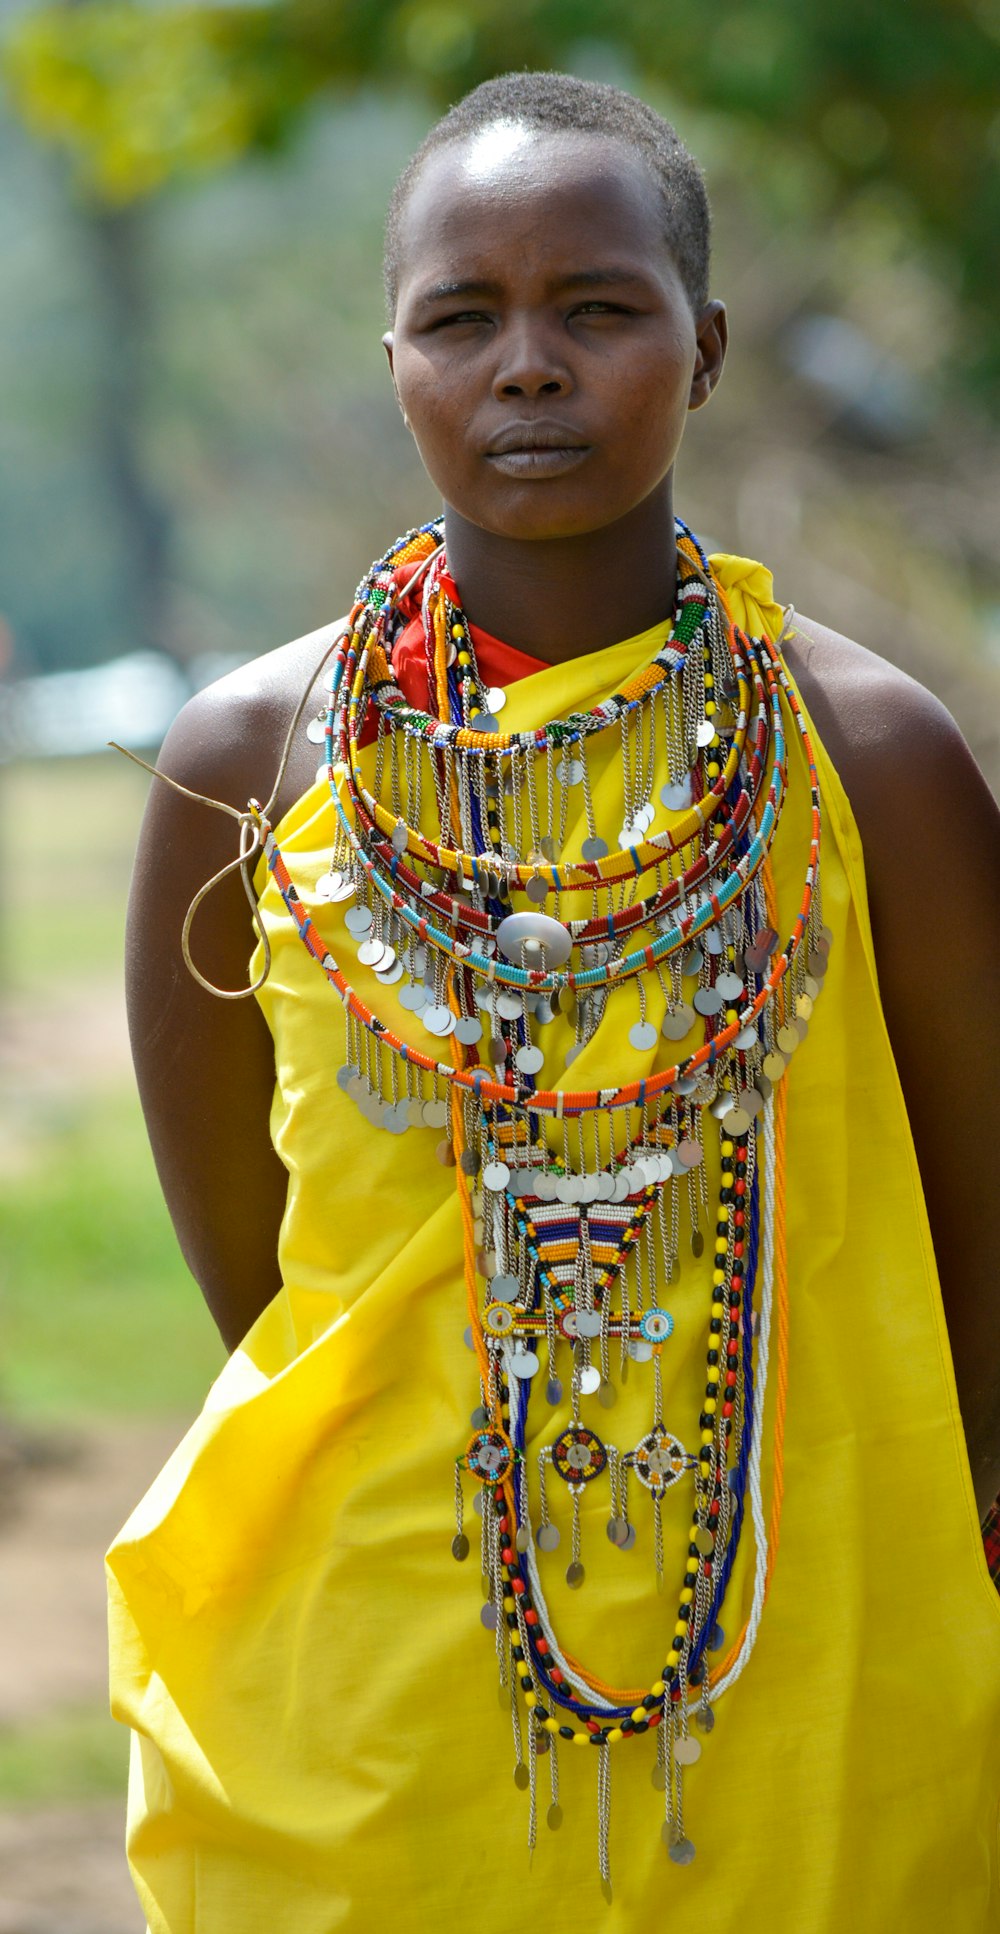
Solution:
(579, 278)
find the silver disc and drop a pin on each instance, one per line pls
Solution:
(687, 1751)
(554, 1817)
(689, 1153)
(460, 1546)
(529, 1059)
(642, 1036)
(607, 1395)
(677, 798)
(388, 976)
(708, 1000)
(569, 772)
(508, 1005)
(547, 1537)
(523, 1364)
(316, 730)
(496, 1175)
(468, 1029)
(594, 848)
(371, 952)
(681, 1851)
(522, 1777)
(496, 699)
(358, 920)
(590, 1380)
(554, 1391)
(575, 1576)
(712, 941)
(676, 1025)
(730, 986)
(435, 1113)
(588, 1322)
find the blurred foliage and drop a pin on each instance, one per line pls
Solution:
(904, 95)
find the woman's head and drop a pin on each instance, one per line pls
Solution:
(546, 263)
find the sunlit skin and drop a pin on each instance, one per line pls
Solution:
(539, 304)
(562, 554)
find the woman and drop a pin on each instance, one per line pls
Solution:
(570, 906)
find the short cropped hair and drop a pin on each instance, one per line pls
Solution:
(565, 104)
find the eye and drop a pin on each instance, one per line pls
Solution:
(601, 309)
(460, 316)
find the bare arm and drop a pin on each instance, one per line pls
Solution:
(205, 1067)
(931, 836)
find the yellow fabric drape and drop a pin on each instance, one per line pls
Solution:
(318, 1744)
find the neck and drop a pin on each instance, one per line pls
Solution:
(556, 598)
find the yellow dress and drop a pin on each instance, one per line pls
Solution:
(318, 1743)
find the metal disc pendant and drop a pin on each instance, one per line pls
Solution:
(704, 1719)
(522, 1777)
(607, 1395)
(496, 1176)
(676, 1025)
(496, 698)
(485, 722)
(554, 1817)
(460, 1546)
(529, 1059)
(523, 1539)
(554, 1391)
(534, 934)
(358, 920)
(708, 1000)
(569, 772)
(590, 1379)
(681, 1851)
(468, 1029)
(488, 1616)
(413, 997)
(523, 1364)
(687, 1751)
(316, 730)
(677, 797)
(642, 1036)
(594, 848)
(658, 1777)
(435, 1113)
(575, 1576)
(547, 1537)
(730, 986)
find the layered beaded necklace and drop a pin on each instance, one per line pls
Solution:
(458, 890)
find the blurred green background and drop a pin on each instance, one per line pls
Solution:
(201, 452)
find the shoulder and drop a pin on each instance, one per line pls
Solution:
(892, 741)
(229, 740)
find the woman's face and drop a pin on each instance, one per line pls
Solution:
(544, 350)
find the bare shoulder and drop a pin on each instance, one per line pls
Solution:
(891, 740)
(228, 740)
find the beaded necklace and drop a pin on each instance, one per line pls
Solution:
(571, 1199)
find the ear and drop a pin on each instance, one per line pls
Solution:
(712, 335)
(387, 345)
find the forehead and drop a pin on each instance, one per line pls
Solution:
(511, 201)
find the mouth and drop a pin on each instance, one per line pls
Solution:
(537, 450)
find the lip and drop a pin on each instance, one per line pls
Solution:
(545, 460)
(542, 434)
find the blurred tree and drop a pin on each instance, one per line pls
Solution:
(903, 96)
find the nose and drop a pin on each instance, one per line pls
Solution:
(531, 363)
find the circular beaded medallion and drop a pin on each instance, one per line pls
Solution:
(489, 1456)
(579, 1455)
(659, 1460)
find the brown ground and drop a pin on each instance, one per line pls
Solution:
(62, 1869)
